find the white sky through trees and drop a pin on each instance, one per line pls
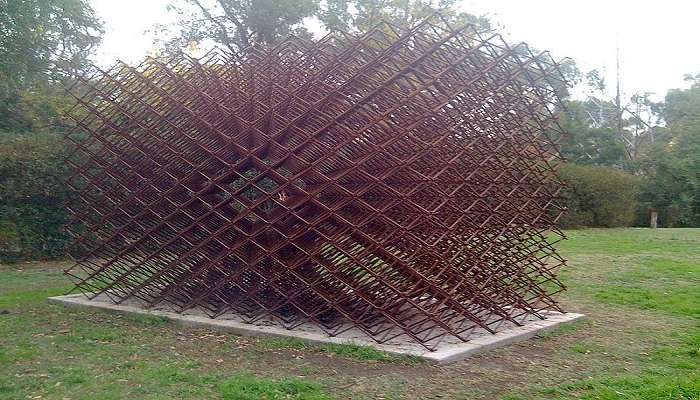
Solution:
(659, 40)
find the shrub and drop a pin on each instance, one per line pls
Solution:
(598, 196)
(32, 195)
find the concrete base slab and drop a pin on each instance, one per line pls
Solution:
(444, 354)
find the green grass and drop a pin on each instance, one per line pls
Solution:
(639, 288)
(30, 296)
(348, 350)
(656, 272)
(244, 386)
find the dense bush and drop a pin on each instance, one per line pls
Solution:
(673, 196)
(32, 196)
(598, 196)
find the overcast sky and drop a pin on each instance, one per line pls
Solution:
(658, 40)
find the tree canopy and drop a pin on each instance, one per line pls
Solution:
(42, 42)
(673, 161)
(360, 15)
(237, 24)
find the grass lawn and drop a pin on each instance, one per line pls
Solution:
(640, 289)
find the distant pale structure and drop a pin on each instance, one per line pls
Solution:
(400, 183)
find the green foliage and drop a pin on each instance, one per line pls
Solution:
(361, 15)
(673, 165)
(235, 24)
(586, 144)
(598, 196)
(31, 196)
(42, 43)
(666, 157)
(36, 109)
(238, 24)
(45, 38)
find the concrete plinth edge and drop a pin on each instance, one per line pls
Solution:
(443, 355)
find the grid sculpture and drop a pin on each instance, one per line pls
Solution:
(399, 182)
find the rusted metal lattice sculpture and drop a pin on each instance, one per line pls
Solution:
(399, 183)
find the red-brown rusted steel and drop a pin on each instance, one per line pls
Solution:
(400, 182)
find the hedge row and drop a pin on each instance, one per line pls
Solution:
(598, 196)
(32, 195)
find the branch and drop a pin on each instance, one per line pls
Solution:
(242, 30)
(222, 28)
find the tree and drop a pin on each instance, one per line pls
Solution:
(587, 141)
(673, 164)
(360, 15)
(589, 124)
(599, 135)
(237, 24)
(42, 43)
